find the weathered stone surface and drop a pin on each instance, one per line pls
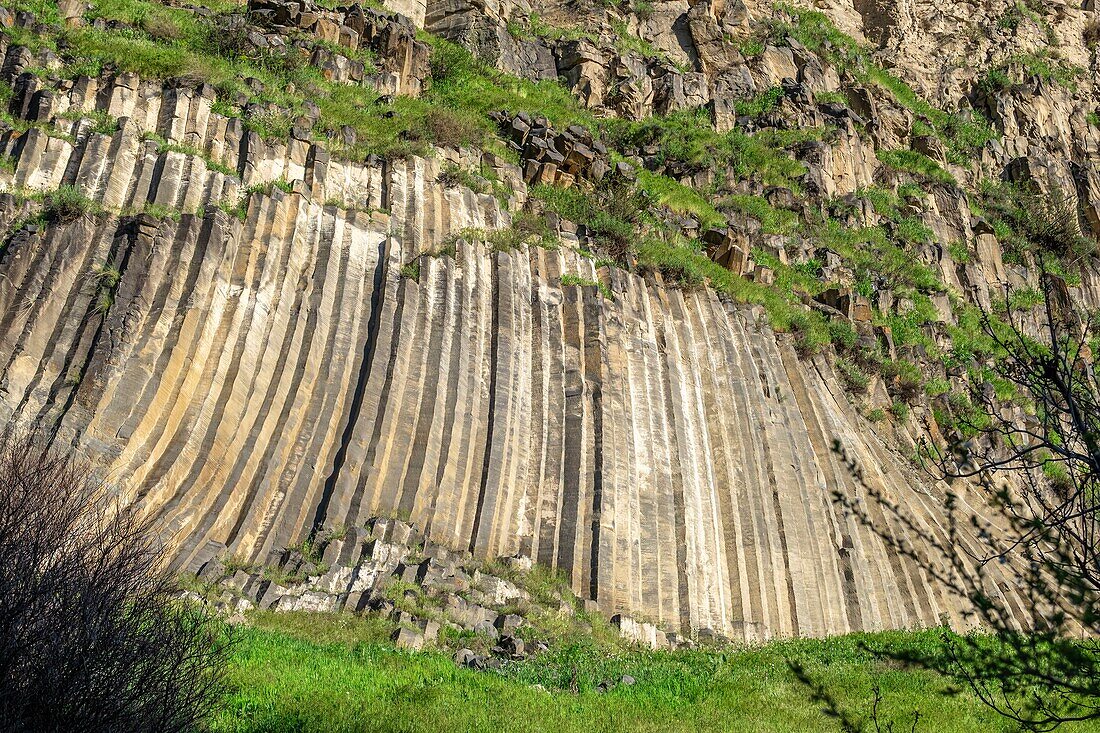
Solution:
(255, 378)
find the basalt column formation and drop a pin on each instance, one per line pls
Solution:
(350, 342)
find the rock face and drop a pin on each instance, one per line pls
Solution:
(256, 378)
(352, 342)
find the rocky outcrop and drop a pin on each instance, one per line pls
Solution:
(252, 379)
(388, 569)
(259, 342)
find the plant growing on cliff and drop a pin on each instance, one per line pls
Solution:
(571, 279)
(93, 633)
(1039, 665)
(67, 204)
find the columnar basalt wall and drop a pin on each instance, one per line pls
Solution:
(296, 342)
(255, 379)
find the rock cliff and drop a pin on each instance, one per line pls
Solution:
(257, 334)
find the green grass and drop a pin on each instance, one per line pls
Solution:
(303, 673)
(163, 42)
(916, 163)
(773, 220)
(680, 198)
(687, 137)
(962, 135)
(681, 261)
(569, 279)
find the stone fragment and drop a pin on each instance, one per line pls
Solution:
(486, 628)
(405, 638)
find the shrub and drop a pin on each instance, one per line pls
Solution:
(270, 125)
(610, 212)
(900, 411)
(831, 98)
(761, 104)
(905, 377)
(93, 633)
(451, 129)
(773, 220)
(854, 379)
(67, 204)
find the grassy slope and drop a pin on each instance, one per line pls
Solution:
(301, 672)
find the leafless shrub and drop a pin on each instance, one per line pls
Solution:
(94, 635)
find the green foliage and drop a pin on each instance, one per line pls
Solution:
(682, 199)
(876, 415)
(461, 82)
(905, 379)
(1025, 299)
(166, 42)
(270, 125)
(995, 81)
(642, 8)
(105, 276)
(102, 122)
(161, 211)
(1028, 222)
(610, 212)
(831, 97)
(955, 413)
(961, 135)
(536, 27)
(854, 378)
(627, 43)
(337, 673)
(1017, 69)
(687, 137)
(772, 220)
(480, 181)
(236, 209)
(916, 163)
(959, 252)
(761, 104)
(843, 335)
(570, 279)
(936, 386)
(105, 279)
(869, 250)
(268, 187)
(163, 146)
(1044, 66)
(232, 564)
(900, 411)
(1011, 18)
(67, 203)
(411, 270)
(681, 261)
(750, 46)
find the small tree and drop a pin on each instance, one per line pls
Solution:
(1035, 658)
(94, 634)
